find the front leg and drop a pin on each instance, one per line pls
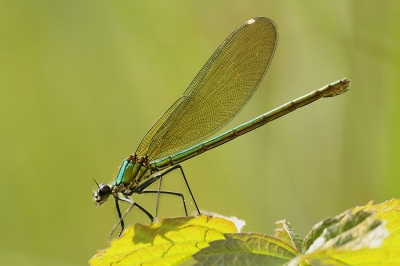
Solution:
(121, 217)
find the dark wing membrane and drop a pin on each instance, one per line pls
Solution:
(217, 94)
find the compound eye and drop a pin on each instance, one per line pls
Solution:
(104, 190)
(102, 194)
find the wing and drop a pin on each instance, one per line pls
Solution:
(217, 94)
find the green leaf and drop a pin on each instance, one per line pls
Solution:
(367, 235)
(246, 249)
(285, 232)
(168, 242)
(354, 230)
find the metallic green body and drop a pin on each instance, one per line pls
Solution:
(333, 89)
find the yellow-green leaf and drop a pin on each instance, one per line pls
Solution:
(168, 242)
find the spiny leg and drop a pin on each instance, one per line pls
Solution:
(169, 193)
(121, 217)
(159, 191)
(188, 187)
(120, 221)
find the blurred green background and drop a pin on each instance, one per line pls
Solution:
(82, 81)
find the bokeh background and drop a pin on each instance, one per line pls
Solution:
(82, 81)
